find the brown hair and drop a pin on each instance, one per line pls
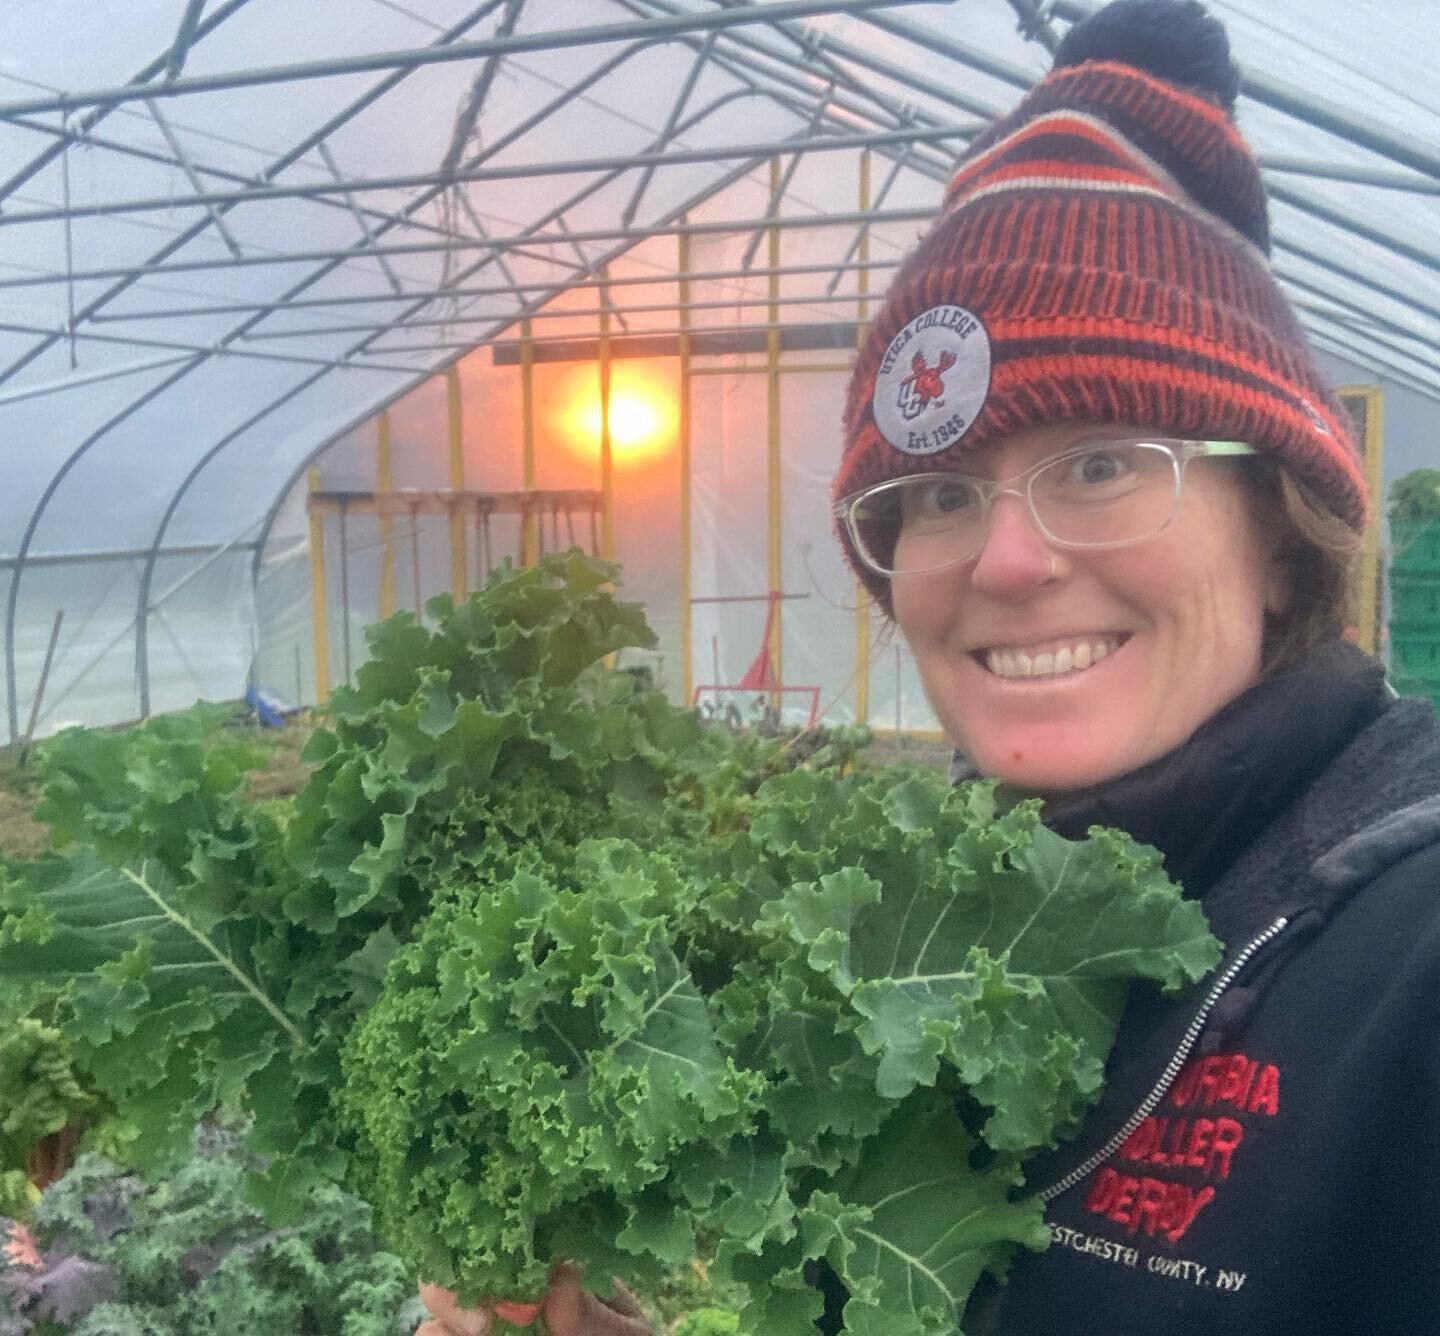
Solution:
(1319, 553)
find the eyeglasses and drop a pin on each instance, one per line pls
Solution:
(1096, 495)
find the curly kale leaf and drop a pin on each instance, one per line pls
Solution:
(912, 1226)
(640, 1050)
(978, 944)
(166, 792)
(162, 1008)
(539, 1062)
(198, 952)
(185, 1255)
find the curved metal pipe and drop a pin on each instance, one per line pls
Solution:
(142, 665)
(28, 537)
(188, 234)
(181, 239)
(45, 157)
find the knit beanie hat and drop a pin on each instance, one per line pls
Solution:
(1100, 257)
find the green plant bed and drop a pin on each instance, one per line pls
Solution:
(1415, 497)
(186, 1256)
(1415, 546)
(1414, 603)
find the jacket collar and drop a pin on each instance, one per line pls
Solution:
(1208, 801)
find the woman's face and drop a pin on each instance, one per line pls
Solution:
(1178, 620)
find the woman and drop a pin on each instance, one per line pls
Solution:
(1093, 474)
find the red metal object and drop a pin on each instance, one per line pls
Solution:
(760, 676)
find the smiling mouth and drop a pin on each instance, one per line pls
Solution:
(1062, 658)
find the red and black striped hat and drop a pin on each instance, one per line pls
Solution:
(1101, 257)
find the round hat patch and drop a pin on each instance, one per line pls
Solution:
(932, 380)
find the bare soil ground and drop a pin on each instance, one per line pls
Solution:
(283, 773)
(21, 836)
(888, 749)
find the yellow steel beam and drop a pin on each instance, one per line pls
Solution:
(862, 596)
(319, 606)
(607, 463)
(529, 530)
(1373, 443)
(687, 650)
(457, 481)
(383, 485)
(773, 562)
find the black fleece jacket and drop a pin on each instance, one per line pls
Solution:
(1266, 1156)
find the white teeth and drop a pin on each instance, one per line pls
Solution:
(1074, 658)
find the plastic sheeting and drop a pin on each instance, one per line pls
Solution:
(737, 524)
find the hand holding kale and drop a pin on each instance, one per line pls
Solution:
(568, 1309)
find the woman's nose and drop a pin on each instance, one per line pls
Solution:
(1015, 558)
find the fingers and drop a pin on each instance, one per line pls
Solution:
(451, 1319)
(562, 1302)
(625, 1301)
(569, 1310)
(572, 1311)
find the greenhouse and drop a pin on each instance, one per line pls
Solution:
(719, 667)
(315, 311)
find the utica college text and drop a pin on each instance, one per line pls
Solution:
(953, 318)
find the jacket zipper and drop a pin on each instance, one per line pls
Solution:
(1172, 1069)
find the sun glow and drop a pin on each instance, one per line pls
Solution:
(643, 420)
(634, 423)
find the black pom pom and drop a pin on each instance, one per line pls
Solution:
(1175, 40)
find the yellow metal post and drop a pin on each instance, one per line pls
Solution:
(383, 487)
(607, 470)
(457, 481)
(1368, 594)
(773, 563)
(687, 650)
(862, 596)
(529, 523)
(319, 605)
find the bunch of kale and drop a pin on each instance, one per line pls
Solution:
(542, 969)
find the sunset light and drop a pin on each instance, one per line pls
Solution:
(643, 419)
(634, 423)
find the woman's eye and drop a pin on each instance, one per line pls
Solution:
(944, 496)
(1097, 467)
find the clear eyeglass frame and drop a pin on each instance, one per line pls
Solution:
(1181, 452)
